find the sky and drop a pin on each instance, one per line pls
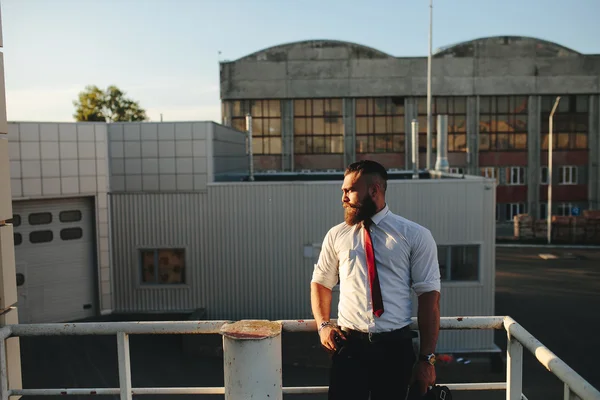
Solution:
(165, 53)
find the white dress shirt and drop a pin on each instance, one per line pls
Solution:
(405, 257)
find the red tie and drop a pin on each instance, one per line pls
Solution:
(373, 277)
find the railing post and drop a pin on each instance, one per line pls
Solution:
(252, 360)
(514, 369)
(124, 366)
(3, 371)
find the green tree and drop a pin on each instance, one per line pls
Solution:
(110, 105)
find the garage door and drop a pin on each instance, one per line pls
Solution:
(54, 252)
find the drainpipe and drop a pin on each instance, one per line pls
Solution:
(415, 148)
(441, 163)
(250, 155)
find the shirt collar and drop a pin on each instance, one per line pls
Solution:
(377, 218)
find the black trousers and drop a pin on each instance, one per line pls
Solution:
(379, 367)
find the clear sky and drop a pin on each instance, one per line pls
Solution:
(165, 53)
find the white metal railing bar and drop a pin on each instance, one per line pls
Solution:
(574, 385)
(549, 360)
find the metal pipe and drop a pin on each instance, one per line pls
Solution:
(548, 359)
(252, 360)
(441, 163)
(415, 148)
(429, 143)
(113, 328)
(451, 386)
(124, 366)
(250, 150)
(115, 391)
(550, 142)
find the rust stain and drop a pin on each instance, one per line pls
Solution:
(93, 392)
(459, 319)
(301, 321)
(63, 393)
(251, 330)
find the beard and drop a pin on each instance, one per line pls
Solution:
(358, 212)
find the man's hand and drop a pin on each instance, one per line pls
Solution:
(424, 375)
(328, 334)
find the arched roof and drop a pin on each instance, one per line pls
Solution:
(501, 46)
(315, 50)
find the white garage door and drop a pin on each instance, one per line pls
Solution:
(55, 259)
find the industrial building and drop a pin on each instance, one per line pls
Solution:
(161, 218)
(319, 105)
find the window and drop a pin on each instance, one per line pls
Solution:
(544, 175)
(570, 123)
(514, 209)
(456, 110)
(41, 236)
(18, 239)
(266, 123)
(565, 209)
(71, 233)
(543, 210)
(70, 216)
(502, 123)
(459, 263)
(456, 170)
(567, 175)
(15, 220)
(489, 172)
(40, 218)
(163, 266)
(380, 125)
(318, 126)
(515, 175)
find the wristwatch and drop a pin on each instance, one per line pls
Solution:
(430, 358)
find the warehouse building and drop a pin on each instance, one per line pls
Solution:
(161, 218)
(319, 105)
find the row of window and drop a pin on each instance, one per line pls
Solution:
(380, 123)
(567, 175)
(514, 209)
(44, 218)
(46, 236)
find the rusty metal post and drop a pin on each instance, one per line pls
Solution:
(252, 360)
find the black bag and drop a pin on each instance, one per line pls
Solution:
(435, 392)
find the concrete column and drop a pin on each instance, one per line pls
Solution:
(252, 360)
(349, 131)
(594, 153)
(473, 135)
(287, 135)
(533, 155)
(410, 113)
(8, 282)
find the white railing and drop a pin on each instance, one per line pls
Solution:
(255, 346)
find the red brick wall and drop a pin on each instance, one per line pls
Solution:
(388, 160)
(565, 193)
(571, 157)
(319, 161)
(511, 194)
(266, 162)
(503, 158)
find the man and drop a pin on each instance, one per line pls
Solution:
(372, 344)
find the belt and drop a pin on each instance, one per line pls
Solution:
(402, 333)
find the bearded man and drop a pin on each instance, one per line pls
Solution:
(377, 257)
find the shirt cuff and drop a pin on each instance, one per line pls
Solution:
(424, 287)
(323, 280)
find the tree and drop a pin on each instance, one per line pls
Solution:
(110, 105)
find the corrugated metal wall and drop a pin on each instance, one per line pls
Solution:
(245, 245)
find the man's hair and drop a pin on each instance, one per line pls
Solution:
(369, 168)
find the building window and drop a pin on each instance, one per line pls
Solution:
(570, 123)
(266, 123)
(318, 126)
(543, 210)
(456, 110)
(40, 218)
(515, 175)
(502, 123)
(544, 175)
(41, 236)
(514, 209)
(456, 170)
(489, 172)
(71, 233)
(163, 266)
(459, 263)
(565, 209)
(380, 125)
(70, 216)
(567, 175)
(17, 238)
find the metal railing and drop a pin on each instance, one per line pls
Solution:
(256, 348)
